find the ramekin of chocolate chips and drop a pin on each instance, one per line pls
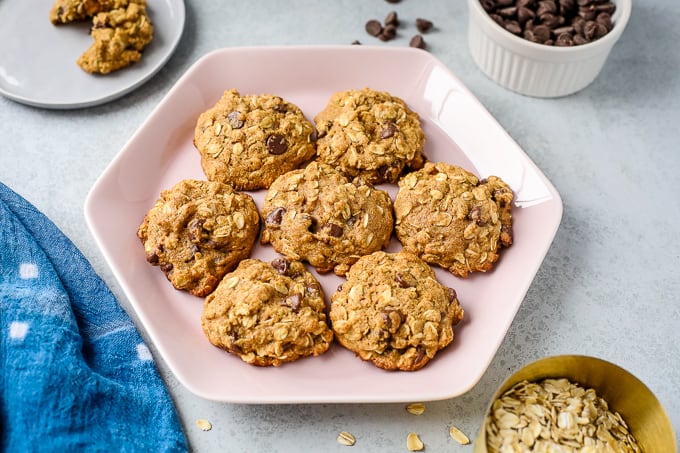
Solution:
(544, 48)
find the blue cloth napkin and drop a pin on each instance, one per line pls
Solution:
(74, 373)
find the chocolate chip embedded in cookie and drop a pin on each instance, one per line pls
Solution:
(450, 218)
(119, 35)
(248, 141)
(369, 134)
(316, 215)
(268, 313)
(198, 231)
(393, 312)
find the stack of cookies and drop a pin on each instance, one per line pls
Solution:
(322, 208)
(121, 29)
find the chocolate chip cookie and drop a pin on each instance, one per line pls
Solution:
(369, 134)
(316, 215)
(268, 313)
(120, 35)
(198, 231)
(393, 312)
(450, 218)
(248, 141)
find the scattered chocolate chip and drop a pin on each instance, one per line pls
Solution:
(276, 216)
(418, 42)
(356, 42)
(423, 25)
(392, 1)
(276, 144)
(234, 121)
(281, 265)
(392, 19)
(374, 27)
(388, 33)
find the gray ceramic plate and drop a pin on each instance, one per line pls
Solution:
(38, 60)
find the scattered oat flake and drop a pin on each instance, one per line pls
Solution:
(345, 438)
(416, 408)
(413, 442)
(459, 436)
(205, 425)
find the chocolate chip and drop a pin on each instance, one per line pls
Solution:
(294, 301)
(418, 42)
(420, 355)
(276, 216)
(392, 19)
(356, 42)
(373, 27)
(388, 33)
(334, 230)
(276, 144)
(388, 130)
(313, 289)
(152, 257)
(475, 215)
(234, 120)
(392, 319)
(281, 265)
(452, 295)
(195, 231)
(423, 25)
(553, 22)
(166, 267)
(402, 280)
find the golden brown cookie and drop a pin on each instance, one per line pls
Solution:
(198, 231)
(248, 141)
(316, 215)
(268, 313)
(393, 312)
(119, 35)
(448, 217)
(369, 134)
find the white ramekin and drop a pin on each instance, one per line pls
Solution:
(537, 69)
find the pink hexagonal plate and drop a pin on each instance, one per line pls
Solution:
(459, 130)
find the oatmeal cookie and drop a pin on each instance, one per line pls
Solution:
(198, 231)
(248, 141)
(393, 312)
(119, 35)
(268, 313)
(66, 11)
(369, 134)
(316, 215)
(448, 217)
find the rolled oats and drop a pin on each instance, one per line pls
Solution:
(555, 415)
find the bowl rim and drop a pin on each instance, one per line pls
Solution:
(521, 45)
